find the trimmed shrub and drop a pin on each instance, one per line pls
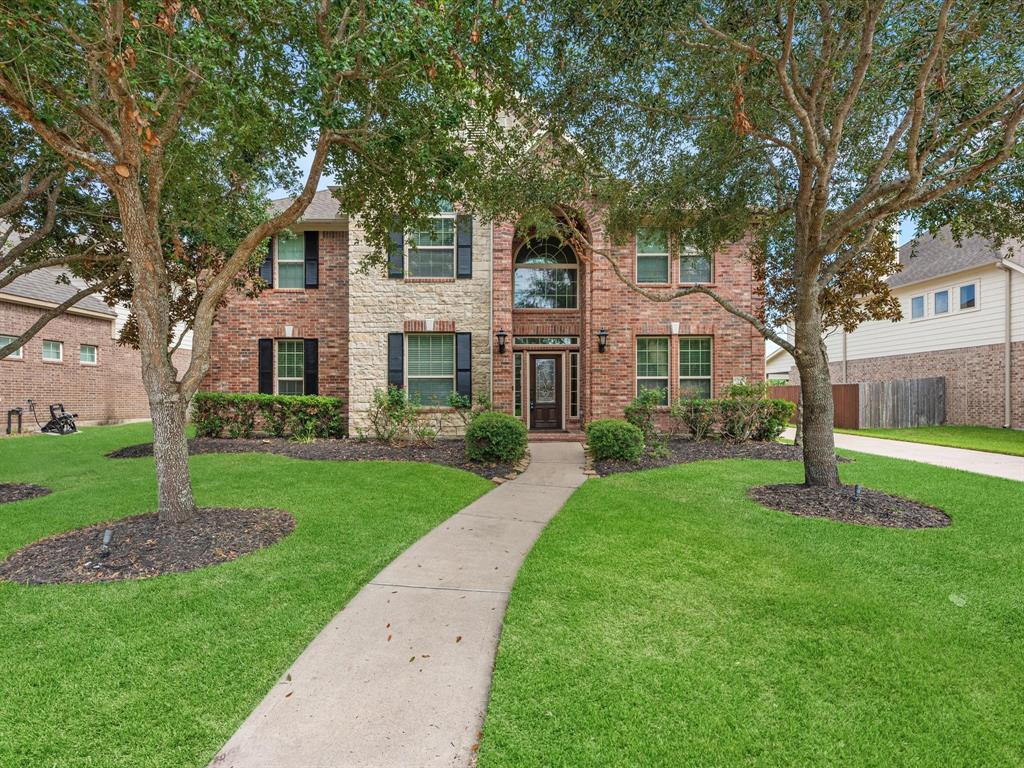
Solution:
(698, 415)
(493, 437)
(640, 412)
(773, 418)
(615, 439)
(217, 414)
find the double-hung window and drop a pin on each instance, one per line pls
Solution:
(432, 248)
(695, 366)
(88, 354)
(652, 259)
(291, 361)
(291, 261)
(431, 367)
(695, 267)
(53, 351)
(17, 354)
(652, 365)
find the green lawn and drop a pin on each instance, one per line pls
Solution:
(161, 672)
(991, 439)
(663, 619)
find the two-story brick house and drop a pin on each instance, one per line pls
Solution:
(548, 334)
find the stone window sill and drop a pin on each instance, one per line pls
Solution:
(430, 280)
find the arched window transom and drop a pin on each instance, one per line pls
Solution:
(545, 275)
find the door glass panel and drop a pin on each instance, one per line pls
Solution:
(545, 381)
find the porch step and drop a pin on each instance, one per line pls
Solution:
(557, 437)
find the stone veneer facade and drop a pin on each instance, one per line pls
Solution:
(354, 310)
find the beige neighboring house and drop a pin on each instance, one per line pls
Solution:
(963, 319)
(777, 363)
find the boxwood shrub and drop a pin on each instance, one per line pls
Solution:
(493, 437)
(615, 439)
(218, 414)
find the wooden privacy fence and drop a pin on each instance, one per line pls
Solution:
(873, 404)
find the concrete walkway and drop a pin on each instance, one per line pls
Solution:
(980, 462)
(400, 678)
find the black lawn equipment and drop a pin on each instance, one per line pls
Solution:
(61, 422)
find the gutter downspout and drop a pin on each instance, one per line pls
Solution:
(1009, 267)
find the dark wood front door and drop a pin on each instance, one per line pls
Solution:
(545, 391)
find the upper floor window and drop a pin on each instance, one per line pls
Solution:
(695, 267)
(432, 248)
(917, 307)
(16, 354)
(545, 275)
(652, 260)
(969, 296)
(940, 302)
(88, 354)
(53, 351)
(291, 261)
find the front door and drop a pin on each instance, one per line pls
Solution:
(545, 391)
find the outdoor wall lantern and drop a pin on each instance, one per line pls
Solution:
(602, 340)
(501, 335)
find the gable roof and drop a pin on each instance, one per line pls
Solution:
(936, 255)
(323, 207)
(41, 285)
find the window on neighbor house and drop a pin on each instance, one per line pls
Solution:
(545, 275)
(695, 267)
(290, 366)
(53, 351)
(652, 258)
(88, 354)
(291, 261)
(17, 354)
(652, 365)
(968, 296)
(695, 366)
(917, 307)
(940, 302)
(432, 248)
(431, 367)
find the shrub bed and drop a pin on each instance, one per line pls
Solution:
(615, 439)
(495, 437)
(217, 414)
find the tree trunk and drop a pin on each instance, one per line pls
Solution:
(170, 452)
(819, 450)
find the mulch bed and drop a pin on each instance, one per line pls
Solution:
(142, 547)
(842, 504)
(449, 453)
(19, 491)
(685, 451)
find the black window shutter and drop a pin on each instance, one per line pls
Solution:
(396, 359)
(266, 367)
(311, 366)
(312, 259)
(396, 254)
(267, 267)
(464, 364)
(464, 246)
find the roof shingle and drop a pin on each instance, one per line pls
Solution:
(42, 285)
(934, 256)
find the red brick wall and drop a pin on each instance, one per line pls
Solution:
(974, 376)
(109, 391)
(320, 313)
(608, 380)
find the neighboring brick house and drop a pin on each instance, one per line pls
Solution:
(74, 360)
(477, 308)
(963, 319)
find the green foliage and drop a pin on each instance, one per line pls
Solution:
(393, 416)
(697, 415)
(640, 412)
(773, 417)
(615, 439)
(493, 437)
(219, 414)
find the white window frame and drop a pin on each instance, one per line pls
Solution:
(405, 366)
(949, 302)
(924, 308)
(18, 354)
(689, 253)
(277, 262)
(278, 378)
(454, 248)
(96, 356)
(668, 366)
(710, 378)
(977, 296)
(60, 350)
(667, 255)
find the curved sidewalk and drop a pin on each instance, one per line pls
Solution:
(401, 676)
(979, 462)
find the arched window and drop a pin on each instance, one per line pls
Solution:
(545, 275)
